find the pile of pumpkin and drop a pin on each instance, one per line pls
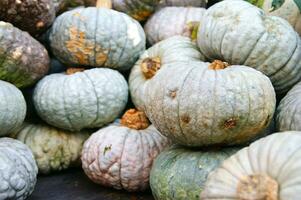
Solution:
(207, 87)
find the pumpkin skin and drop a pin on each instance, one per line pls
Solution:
(240, 33)
(273, 161)
(179, 173)
(112, 40)
(63, 5)
(87, 99)
(53, 149)
(28, 15)
(12, 108)
(18, 170)
(23, 59)
(121, 157)
(226, 106)
(171, 21)
(174, 49)
(189, 3)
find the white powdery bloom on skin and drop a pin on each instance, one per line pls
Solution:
(133, 32)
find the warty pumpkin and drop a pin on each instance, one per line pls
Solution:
(121, 154)
(200, 104)
(76, 100)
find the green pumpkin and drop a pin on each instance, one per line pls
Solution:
(179, 173)
(63, 5)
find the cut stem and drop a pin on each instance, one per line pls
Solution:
(217, 64)
(104, 4)
(149, 66)
(135, 119)
(73, 70)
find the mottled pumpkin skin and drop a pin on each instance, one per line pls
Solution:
(112, 40)
(33, 16)
(12, 108)
(18, 170)
(87, 99)
(188, 3)
(171, 21)
(63, 5)
(179, 173)
(240, 33)
(277, 156)
(171, 50)
(196, 106)
(23, 59)
(119, 157)
(53, 149)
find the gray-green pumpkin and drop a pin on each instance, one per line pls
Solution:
(77, 100)
(240, 33)
(180, 3)
(179, 173)
(12, 108)
(199, 104)
(23, 60)
(64, 5)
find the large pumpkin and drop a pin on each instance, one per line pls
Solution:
(78, 100)
(240, 33)
(199, 103)
(28, 15)
(53, 149)
(171, 21)
(12, 108)
(23, 59)
(121, 154)
(18, 170)
(180, 173)
(171, 50)
(112, 39)
(267, 169)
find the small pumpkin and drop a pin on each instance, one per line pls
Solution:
(199, 104)
(240, 33)
(76, 100)
(53, 149)
(18, 170)
(12, 108)
(174, 49)
(179, 173)
(112, 40)
(171, 21)
(188, 3)
(23, 60)
(268, 169)
(121, 154)
(28, 15)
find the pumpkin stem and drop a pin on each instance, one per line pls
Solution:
(259, 186)
(73, 70)
(191, 30)
(104, 4)
(150, 66)
(217, 64)
(135, 119)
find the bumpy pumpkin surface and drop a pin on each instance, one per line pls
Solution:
(195, 3)
(199, 103)
(180, 173)
(12, 108)
(121, 154)
(18, 170)
(172, 21)
(23, 59)
(33, 16)
(87, 99)
(268, 169)
(171, 50)
(240, 33)
(112, 39)
(53, 149)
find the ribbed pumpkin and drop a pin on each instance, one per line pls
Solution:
(12, 108)
(77, 100)
(28, 15)
(121, 154)
(172, 21)
(166, 52)
(23, 59)
(240, 33)
(180, 173)
(267, 169)
(53, 149)
(112, 39)
(18, 170)
(199, 103)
